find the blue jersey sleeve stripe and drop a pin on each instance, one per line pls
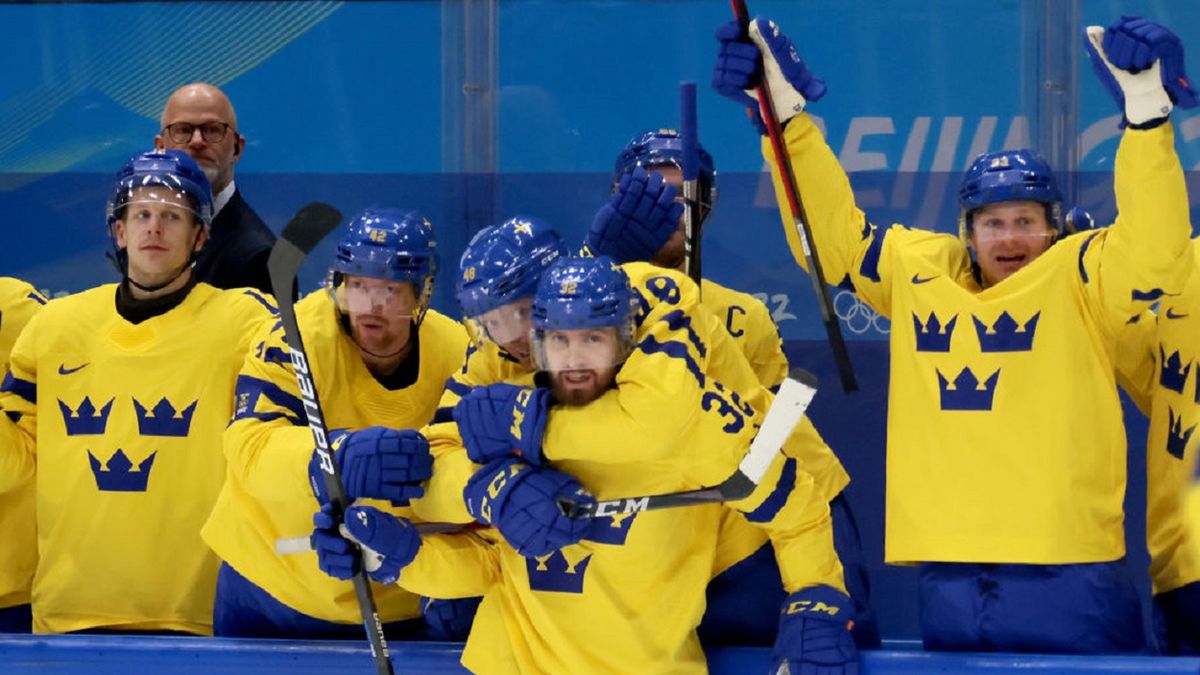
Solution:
(457, 388)
(779, 496)
(869, 267)
(248, 391)
(24, 389)
(673, 349)
(443, 415)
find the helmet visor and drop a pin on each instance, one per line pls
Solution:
(505, 324)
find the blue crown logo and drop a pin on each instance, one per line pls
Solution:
(1005, 335)
(557, 574)
(1174, 374)
(611, 529)
(966, 394)
(930, 337)
(84, 420)
(1177, 437)
(117, 476)
(162, 420)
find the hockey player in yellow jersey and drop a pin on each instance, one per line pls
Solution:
(620, 593)
(1159, 358)
(121, 393)
(18, 554)
(380, 358)
(1006, 454)
(643, 220)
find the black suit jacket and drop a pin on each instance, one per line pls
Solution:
(239, 243)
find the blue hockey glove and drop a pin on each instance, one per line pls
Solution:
(391, 543)
(814, 634)
(1141, 64)
(449, 620)
(520, 501)
(336, 556)
(376, 463)
(638, 220)
(1177, 619)
(744, 60)
(501, 420)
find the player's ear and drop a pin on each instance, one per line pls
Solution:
(201, 237)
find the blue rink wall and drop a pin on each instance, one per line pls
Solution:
(92, 655)
(361, 104)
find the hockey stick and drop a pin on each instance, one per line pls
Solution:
(783, 416)
(299, 237)
(689, 141)
(290, 545)
(833, 329)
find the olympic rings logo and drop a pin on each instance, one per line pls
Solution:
(857, 316)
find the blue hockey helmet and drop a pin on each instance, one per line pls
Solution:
(583, 293)
(390, 244)
(1004, 176)
(182, 179)
(504, 262)
(664, 146)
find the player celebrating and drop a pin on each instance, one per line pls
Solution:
(628, 594)
(1160, 361)
(18, 557)
(987, 486)
(643, 221)
(379, 358)
(121, 422)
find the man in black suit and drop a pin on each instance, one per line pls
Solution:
(199, 120)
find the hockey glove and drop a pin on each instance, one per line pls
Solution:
(814, 634)
(500, 420)
(376, 463)
(743, 60)
(1141, 64)
(1177, 619)
(638, 220)
(449, 620)
(520, 501)
(336, 556)
(389, 542)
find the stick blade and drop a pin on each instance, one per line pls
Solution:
(299, 237)
(309, 226)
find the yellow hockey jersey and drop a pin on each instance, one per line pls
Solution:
(1160, 362)
(1005, 441)
(268, 446)
(18, 554)
(123, 423)
(629, 596)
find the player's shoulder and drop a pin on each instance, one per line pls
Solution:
(85, 304)
(444, 329)
(245, 303)
(718, 296)
(13, 290)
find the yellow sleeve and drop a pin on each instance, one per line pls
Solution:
(850, 249)
(659, 389)
(763, 346)
(461, 565)
(18, 401)
(1135, 361)
(268, 444)
(1146, 254)
(795, 516)
(443, 500)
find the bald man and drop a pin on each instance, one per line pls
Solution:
(199, 120)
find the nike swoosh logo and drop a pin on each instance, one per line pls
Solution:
(1172, 315)
(918, 280)
(64, 370)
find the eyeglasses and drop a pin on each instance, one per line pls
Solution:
(211, 132)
